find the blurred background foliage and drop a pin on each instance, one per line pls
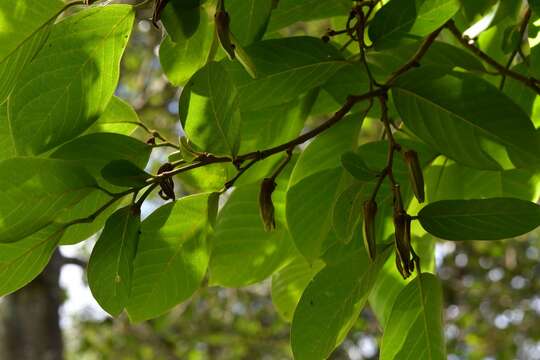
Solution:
(491, 290)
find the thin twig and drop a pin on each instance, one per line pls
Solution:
(529, 81)
(415, 60)
(517, 50)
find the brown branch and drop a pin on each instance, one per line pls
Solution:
(415, 60)
(517, 50)
(351, 101)
(529, 81)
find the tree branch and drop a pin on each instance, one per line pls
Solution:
(465, 42)
(517, 50)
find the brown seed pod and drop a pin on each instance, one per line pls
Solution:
(266, 206)
(370, 241)
(158, 8)
(223, 30)
(167, 183)
(416, 175)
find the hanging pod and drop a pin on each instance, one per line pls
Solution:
(415, 174)
(370, 213)
(266, 206)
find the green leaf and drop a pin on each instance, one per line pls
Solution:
(483, 219)
(356, 166)
(289, 283)
(181, 19)
(517, 183)
(85, 208)
(81, 59)
(535, 5)
(457, 113)
(125, 173)
(172, 257)
(6, 139)
(35, 191)
(249, 19)
(22, 261)
(289, 12)
(384, 63)
(402, 19)
(330, 305)
(415, 327)
(286, 68)
(325, 151)
(240, 238)
(348, 211)
(209, 111)
(12, 66)
(315, 185)
(119, 117)
(24, 27)
(188, 52)
(262, 129)
(93, 152)
(110, 268)
(21, 20)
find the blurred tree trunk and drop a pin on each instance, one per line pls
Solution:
(29, 319)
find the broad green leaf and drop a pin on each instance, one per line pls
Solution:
(314, 187)
(119, 117)
(535, 5)
(457, 114)
(289, 12)
(330, 305)
(24, 26)
(209, 111)
(182, 56)
(286, 68)
(85, 208)
(325, 151)
(348, 211)
(289, 283)
(6, 139)
(22, 261)
(20, 20)
(356, 166)
(69, 84)
(93, 152)
(402, 19)
(415, 327)
(172, 257)
(12, 66)
(249, 19)
(262, 129)
(181, 19)
(34, 192)
(125, 173)
(440, 54)
(310, 204)
(110, 268)
(240, 238)
(482, 219)
(442, 177)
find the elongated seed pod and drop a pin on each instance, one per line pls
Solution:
(223, 30)
(399, 266)
(158, 8)
(266, 206)
(166, 184)
(370, 241)
(416, 175)
(401, 243)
